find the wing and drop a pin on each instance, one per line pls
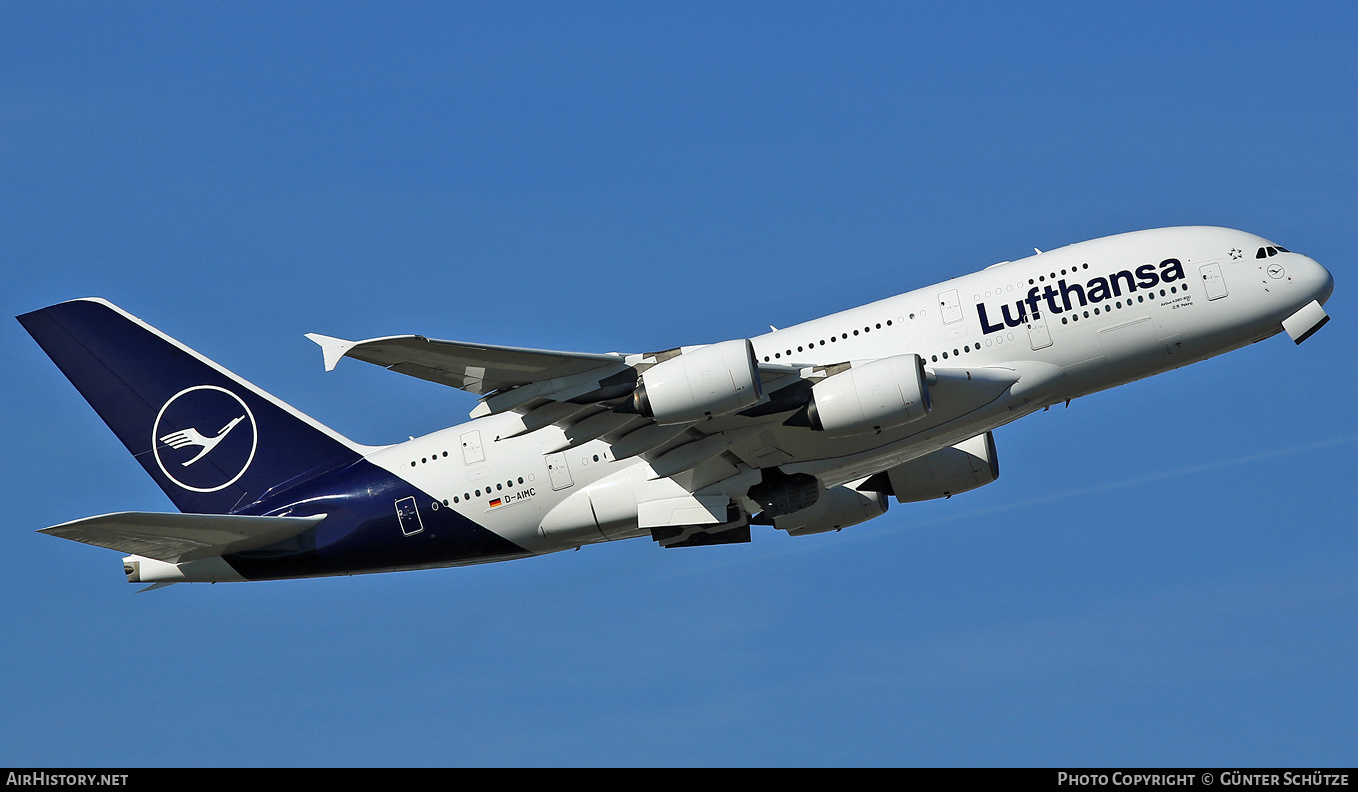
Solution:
(476, 368)
(181, 537)
(507, 378)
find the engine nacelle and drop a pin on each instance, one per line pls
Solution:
(713, 380)
(881, 394)
(970, 464)
(837, 507)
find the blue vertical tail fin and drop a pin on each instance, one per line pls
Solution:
(213, 442)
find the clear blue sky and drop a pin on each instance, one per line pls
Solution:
(1166, 574)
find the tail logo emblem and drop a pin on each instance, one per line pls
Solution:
(188, 437)
(204, 438)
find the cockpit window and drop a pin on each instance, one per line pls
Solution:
(1271, 250)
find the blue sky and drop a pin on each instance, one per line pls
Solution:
(1163, 575)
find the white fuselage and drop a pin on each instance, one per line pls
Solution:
(1064, 323)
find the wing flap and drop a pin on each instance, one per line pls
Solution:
(175, 538)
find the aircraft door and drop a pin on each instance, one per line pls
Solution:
(950, 306)
(558, 471)
(408, 513)
(1038, 333)
(1213, 281)
(472, 452)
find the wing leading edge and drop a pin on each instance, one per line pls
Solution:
(476, 368)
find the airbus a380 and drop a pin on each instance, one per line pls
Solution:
(806, 429)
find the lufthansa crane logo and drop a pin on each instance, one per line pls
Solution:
(204, 438)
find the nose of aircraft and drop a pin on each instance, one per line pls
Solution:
(1315, 280)
(1314, 285)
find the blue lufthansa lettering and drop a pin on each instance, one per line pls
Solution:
(1066, 296)
(1022, 314)
(986, 326)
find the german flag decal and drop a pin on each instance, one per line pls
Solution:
(495, 503)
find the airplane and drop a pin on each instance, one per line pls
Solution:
(806, 429)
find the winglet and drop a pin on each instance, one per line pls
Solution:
(332, 348)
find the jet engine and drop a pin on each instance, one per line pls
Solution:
(970, 464)
(877, 395)
(837, 507)
(696, 385)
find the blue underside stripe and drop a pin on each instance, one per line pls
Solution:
(362, 531)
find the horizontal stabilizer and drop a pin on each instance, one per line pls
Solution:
(175, 538)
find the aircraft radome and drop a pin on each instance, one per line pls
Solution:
(806, 429)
